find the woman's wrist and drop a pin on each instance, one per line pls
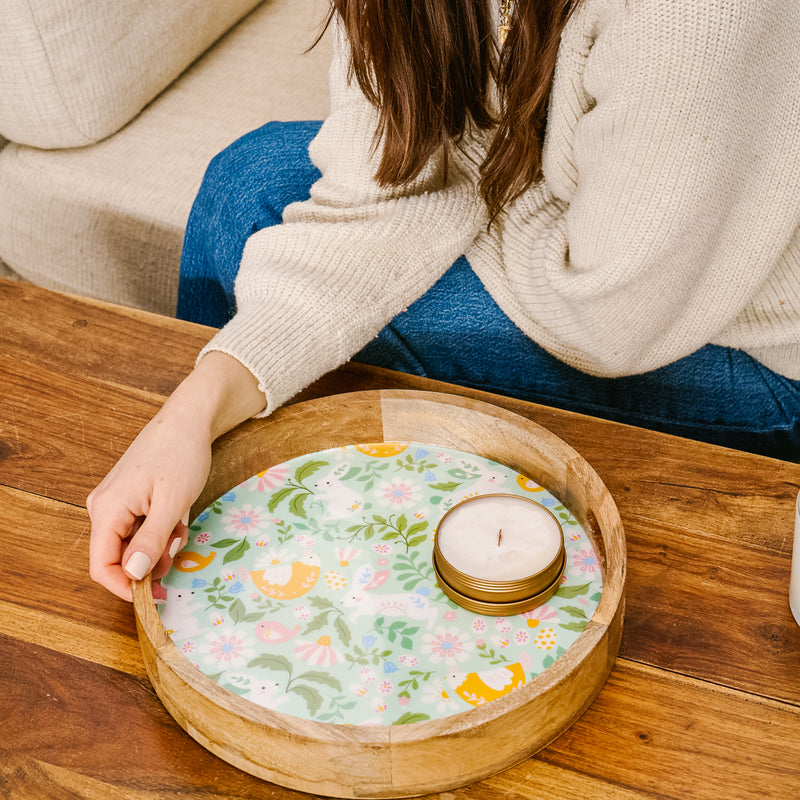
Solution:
(218, 394)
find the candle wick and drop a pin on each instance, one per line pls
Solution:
(499, 536)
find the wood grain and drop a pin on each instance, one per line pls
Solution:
(684, 715)
(649, 734)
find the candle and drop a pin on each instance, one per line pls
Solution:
(499, 537)
(499, 554)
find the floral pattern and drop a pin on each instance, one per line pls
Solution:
(309, 588)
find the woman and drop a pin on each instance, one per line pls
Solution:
(638, 256)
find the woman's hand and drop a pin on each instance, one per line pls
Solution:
(139, 512)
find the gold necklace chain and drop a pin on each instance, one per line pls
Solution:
(505, 22)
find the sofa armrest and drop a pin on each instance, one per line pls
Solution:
(72, 73)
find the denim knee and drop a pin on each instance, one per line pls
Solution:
(245, 188)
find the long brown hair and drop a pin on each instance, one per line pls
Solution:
(426, 65)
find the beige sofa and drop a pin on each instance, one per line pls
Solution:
(113, 108)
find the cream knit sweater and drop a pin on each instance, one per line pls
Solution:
(668, 217)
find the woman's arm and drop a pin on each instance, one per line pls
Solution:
(670, 201)
(139, 512)
(314, 290)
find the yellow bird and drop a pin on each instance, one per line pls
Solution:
(478, 688)
(189, 561)
(286, 582)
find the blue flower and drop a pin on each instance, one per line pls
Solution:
(235, 588)
(368, 640)
(429, 476)
(548, 501)
(421, 453)
(203, 516)
(198, 583)
(423, 590)
(389, 666)
(229, 496)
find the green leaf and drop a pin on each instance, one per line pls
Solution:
(410, 717)
(317, 623)
(308, 469)
(411, 585)
(312, 697)
(321, 677)
(407, 643)
(279, 497)
(402, 523)
(574, 626)
(417, 540)
(388, 536)
(298, 505)
(254, 616)
(573, 591)
(548, 661)
(450, 486)
(416, 528)
(574, 611)
(343, 630)
(222, 543)
(269, 661)
(237, 552)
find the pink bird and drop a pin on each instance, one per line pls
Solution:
(274, 632)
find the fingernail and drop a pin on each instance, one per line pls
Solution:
(185, 519)
(174, 547)
(138, 565)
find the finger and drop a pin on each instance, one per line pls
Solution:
(176, 543)
(106, 546)
(151, 541)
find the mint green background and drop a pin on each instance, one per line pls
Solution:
(373, 640)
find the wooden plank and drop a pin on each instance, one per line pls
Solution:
(78, 725)
(711, 609)
(44, 559)
(81, 640)
(88, 338)
(59, 435)
(681, 738)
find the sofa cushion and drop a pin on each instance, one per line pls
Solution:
(107, 220)
(75, 71)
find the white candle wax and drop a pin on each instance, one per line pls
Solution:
(499, 538)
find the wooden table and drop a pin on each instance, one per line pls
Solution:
(704, 701)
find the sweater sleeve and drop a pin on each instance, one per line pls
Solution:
(672, 177)
(314, 290)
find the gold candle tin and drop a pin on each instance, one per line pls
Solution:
(499, 597)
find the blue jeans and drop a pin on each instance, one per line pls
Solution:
(457, 333)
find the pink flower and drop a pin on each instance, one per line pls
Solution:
(398, 493)
(202, 538)
(521, 637)
(446, 645)
(538, 615)
(320, 653)
(450, 615)
(272, 477)
(246, 520)
(479, 626)
(226, 647)
(586, 561)
(385, 687)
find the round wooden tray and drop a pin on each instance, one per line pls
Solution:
(423, 757)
